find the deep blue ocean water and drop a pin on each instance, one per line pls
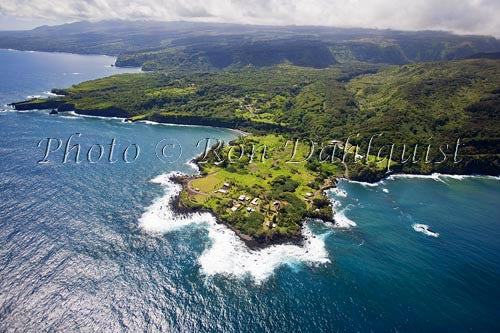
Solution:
(95, 246)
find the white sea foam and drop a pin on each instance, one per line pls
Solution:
(366, 183)
(27, 111)
(339, 192)
(34, 96)
(424, 228)
(149, 122)
(193, 166)
(227, 254)
(159, 217)
(434, 176)
(439, 177)
(74, 114)
(342, 221)
(336, 203)
(71, 117)
(462, 177)
(50, 93)
(385, 190)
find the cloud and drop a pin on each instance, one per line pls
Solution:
(468, 16)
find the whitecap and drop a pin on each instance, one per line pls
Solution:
(74, 114)
(366, 184)
(28, 111)
(385, 190)
(71, 117)
(34, 96)
(342, 221)
(336, 203)
(440, 177)
(434, 176)
(462, 177)
(50, 93)
(339, 192)
(193, 166)
(424, 228)
(227, 254)
(160, 218)
(148, 122)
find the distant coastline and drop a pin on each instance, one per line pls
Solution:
(242, 102)
(180, 207)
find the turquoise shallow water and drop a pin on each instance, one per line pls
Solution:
(94, 246)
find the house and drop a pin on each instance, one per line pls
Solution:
(255, 201)
(235, 207)
(250, 209)
(337, 143)
(222, 191)
(226, 185)
(309, 194)
(243, 198)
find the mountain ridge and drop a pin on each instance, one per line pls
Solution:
(215, 46)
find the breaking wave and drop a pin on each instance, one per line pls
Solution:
(227, 254)
(424, 228)
(439, 177)
(342, 221)
(365, 183)
(74, 114)
(338, 192)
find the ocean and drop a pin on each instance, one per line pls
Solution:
(94, 246)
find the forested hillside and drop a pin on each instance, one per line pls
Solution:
(408, 104)
(189, 46)
(429, 99)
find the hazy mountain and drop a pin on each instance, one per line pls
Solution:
(205, 46)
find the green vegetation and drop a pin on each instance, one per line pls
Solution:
(443, 101)
(338, 88)
(191, 46)
(270, 99)
(264, 196)
(320, 52)
(410, 106)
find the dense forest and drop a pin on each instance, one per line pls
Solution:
(188, 46)
(409, 104)
(372, 101)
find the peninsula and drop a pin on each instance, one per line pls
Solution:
(255, 190)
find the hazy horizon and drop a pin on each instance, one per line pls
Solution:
(30, 25)
(477, 17)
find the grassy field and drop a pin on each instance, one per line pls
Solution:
(285, 187)
(407, 105)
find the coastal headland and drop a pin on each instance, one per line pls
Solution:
(367, 121)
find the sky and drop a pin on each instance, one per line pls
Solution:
(460, 16)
